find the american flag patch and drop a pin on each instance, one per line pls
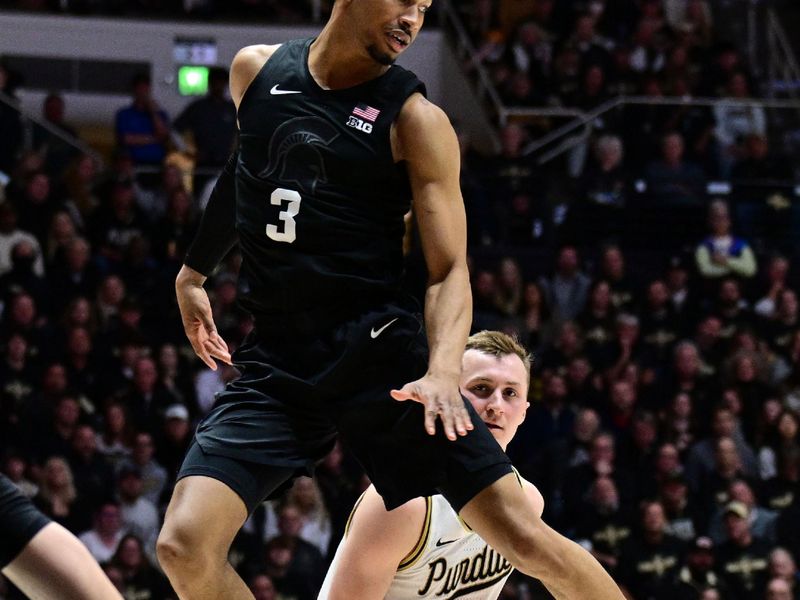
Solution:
(366, 112)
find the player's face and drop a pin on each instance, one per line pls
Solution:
(390, 26)
(497, 388)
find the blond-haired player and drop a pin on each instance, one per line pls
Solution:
(423, 549)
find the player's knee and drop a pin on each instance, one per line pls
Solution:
(175, 550)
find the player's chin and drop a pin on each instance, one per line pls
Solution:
(382, 57)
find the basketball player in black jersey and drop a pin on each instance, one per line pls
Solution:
(42, 558)
(335, 142)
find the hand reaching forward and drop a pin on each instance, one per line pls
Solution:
(198, 322)
(441, 398)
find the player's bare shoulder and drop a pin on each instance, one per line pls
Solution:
(246, 65)
(422, 130)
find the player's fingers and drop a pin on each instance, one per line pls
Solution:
(214, 350)
(430, 421)
(221, 348)
(463, 423)
(200, 350)
(448, 420)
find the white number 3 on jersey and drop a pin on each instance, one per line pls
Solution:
(288, 234)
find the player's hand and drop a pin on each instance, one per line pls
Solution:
(441, 398)
(198, 323)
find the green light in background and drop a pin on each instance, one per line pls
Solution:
(192, 81)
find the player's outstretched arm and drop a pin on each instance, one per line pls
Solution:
(375, 544)
(55, 564)
(427, 142)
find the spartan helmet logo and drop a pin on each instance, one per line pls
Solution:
(294, 153)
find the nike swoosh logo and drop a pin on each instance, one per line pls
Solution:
(276, 92)
(439, 542)
(376, 332)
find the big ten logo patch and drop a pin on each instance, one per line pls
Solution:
(357, 123)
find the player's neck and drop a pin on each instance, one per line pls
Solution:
(336, 62)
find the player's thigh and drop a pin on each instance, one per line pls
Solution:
(54, 564)
(203, 515)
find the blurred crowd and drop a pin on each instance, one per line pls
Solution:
(282, 11)
(664, 428)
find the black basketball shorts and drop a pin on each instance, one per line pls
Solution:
(19, 521)
(300, 387)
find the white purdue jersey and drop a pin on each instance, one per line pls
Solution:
(449, 562)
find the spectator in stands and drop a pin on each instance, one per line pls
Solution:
(303, 568)
(36, 206)
(143, 128)
(604, 191)
(73, 277)
(672, 181)
(651, 558)
(697, 573)
(701, 459)
(535, 315)
(80, 189)
(315, 522)
(735, 122)
(721, 254)
(597, 320)
(114, 441)
(781, 440)
(56, 151)
(567, 289)
(603, 527)
(779, 589)
(174, 439)
(139, 578)
(212, 122)
(58, 498)
(262, 587)
(11, 235)
(115, 224)
(761, 520)
(743, 559)
(139, 516)
(104, 537)
(508, 295)
(602, 462)
(762, 183)
(783, 566)
(153, 475)
(776, 281)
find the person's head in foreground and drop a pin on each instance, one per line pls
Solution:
(495, 374)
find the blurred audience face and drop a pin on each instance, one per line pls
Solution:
(726, 455)
(262, 588)
(143, 449)
(108, 520)
(130, 553)
(587, 424)
(145, 375)
(290, 521)
(779, 589)
(782, 565)
(604, 495)
(653, 519)
(84, 443)
(567, 264)
(672, 149)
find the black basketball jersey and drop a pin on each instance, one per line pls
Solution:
(319, 198)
